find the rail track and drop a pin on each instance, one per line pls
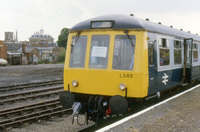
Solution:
(29, 91)
(30, 113)
(30, 85)
(10, 98)
(33, 112)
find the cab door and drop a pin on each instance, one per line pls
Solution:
(188, 50)
(152, 67)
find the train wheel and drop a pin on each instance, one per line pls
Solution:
(118, 105)
(66, 99)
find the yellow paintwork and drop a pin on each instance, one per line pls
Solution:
(107, 81)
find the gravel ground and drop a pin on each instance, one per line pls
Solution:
(20, 74)
(11, 75)
(54, 124)
(179, 115)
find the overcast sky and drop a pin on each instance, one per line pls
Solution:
(29, 16)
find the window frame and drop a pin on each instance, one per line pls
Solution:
(167, 47)
(152, 46)
(197, 49)
(90, 52)
(182, 52)
(171, 46)
(135, 36)
(85, 55)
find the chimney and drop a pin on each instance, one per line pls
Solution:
(16, 39)
(23, 48)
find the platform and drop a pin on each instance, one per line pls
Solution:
(180, 114)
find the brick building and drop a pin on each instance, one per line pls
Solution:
(3, 51)
(30, 53)
(39, 39)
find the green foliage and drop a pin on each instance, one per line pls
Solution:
(63, 37)
(61, 57)
(40, 62)
(46, 61)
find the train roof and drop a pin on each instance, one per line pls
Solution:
(131, 22)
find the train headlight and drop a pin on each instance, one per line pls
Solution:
(122, 86)
(74, 83)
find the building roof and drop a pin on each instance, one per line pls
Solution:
(41, 35)
(13, 47)
(45, 48)
(131, 22)
(28, 49)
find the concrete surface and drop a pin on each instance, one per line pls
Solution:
(181, 114)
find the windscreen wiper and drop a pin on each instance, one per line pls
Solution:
(132, 44)
(74, 41)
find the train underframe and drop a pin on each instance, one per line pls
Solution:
(97, 107)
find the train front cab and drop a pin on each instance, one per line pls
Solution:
(106, 63)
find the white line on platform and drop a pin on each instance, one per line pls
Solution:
(143, 111)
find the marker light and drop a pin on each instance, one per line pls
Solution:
(122, 86)
(74, 83)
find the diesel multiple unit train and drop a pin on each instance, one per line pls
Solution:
(113, 60)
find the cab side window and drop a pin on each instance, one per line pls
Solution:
(164, 52)
(150, 52)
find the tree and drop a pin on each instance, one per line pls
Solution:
(63, 37)
(61, 57)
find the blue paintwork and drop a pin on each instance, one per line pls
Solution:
(173, 78)
(195, 72)
(152, 79)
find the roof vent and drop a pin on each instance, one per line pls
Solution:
(171, 26)
(159, 22)
(131, 14)
(181, 29)
(188, 31)
(147, 19)
(196, 33)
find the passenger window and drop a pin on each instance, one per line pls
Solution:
(177, 52)
(164, 52)
(195, 53)
(150, 52)
(99, 51)
(124, 52)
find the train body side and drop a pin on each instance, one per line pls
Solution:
(171, 75)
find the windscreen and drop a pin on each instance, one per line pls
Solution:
(124, 51)
(99, 51)
(78, 51)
